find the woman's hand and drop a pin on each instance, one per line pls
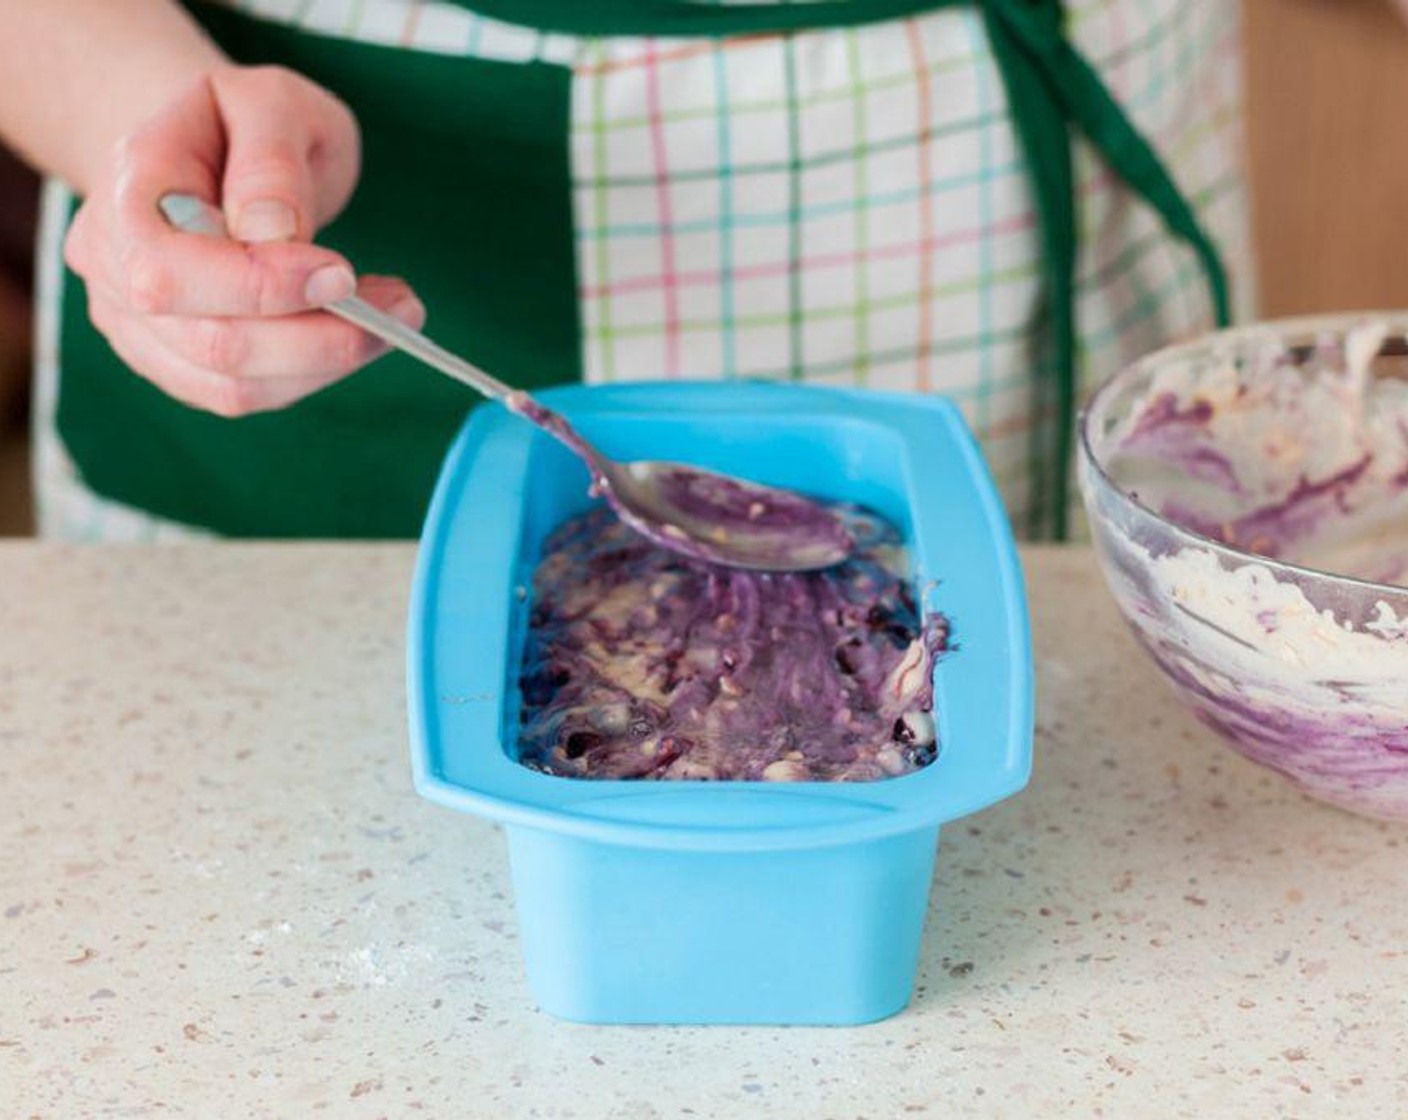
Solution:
(232, 326)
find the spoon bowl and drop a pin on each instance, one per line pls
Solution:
(703, 514)
(724, 520)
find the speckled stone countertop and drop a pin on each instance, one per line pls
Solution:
(219, 896)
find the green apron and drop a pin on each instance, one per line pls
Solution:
(466, 191)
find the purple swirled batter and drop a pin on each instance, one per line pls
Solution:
(640, 663)
(1305, 461)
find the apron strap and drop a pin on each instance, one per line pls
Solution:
(1087, 103)
(1049, 88)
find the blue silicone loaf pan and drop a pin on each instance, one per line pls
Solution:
(717, 902)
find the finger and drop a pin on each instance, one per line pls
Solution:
(163, 271)
(183, 145)
(132, 340)
(308, 345)
(172, 273)
(291, 153)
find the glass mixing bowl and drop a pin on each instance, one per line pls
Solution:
(1247, 494)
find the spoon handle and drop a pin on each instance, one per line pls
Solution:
(193, 215)
(395, 333)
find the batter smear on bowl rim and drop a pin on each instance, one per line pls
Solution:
(640, 663)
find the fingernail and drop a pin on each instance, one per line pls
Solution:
(330, 283)
(266, 219)
(410, 311)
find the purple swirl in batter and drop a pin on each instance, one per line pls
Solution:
(640, 663)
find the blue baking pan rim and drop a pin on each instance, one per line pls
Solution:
(504, 485)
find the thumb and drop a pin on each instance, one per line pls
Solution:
(287, 150)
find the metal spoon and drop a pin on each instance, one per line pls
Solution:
(697, 513)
